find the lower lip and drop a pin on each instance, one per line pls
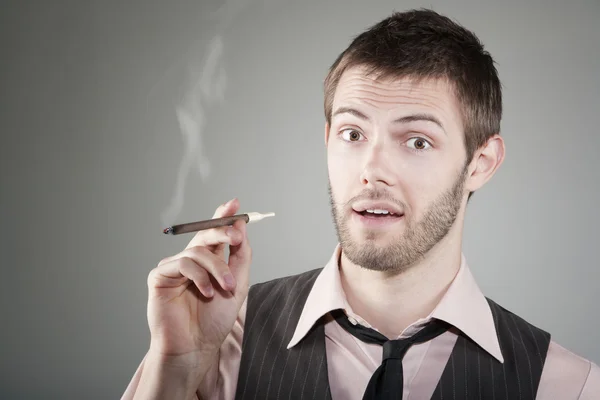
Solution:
(376, 222)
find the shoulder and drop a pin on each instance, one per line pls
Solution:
(568, 375)
(512, 327)
(501, 314)
(565, 374)
(263, 289)
(284, 295)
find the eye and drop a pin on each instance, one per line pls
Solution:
(419, 143)
(351, 135)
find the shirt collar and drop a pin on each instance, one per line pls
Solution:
(463, 305)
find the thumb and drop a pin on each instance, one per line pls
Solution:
(240, 258)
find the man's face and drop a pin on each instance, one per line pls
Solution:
(394, 146)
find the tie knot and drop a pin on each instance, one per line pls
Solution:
(395, 349)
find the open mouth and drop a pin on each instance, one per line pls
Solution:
(378, 214)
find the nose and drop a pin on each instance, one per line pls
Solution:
(377, 167)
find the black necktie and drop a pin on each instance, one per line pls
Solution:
(387, 382)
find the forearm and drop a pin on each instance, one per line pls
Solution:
(163, 378)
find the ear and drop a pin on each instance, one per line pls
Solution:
(485, 163)
(326, 134)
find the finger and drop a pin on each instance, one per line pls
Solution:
(199, 276)
(224, 210)
(212, 237)
(240, 256)
(227, 209)
(204, 259)
(225, 235)
(178, 272)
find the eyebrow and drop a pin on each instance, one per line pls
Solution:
(403, 120)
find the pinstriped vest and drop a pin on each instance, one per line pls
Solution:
(269, 371)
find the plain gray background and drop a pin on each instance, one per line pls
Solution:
(92, 149)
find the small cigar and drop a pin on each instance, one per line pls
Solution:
(215, 223)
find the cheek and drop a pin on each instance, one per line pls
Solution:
(344, 173)
(345, 157)
(432, 190)
(423, 186)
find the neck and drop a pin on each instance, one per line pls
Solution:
(390, 303)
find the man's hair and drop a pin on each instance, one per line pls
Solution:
(422, 44)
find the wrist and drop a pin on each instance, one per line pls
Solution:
(183, 362)
(170, 377)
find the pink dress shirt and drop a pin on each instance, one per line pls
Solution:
(351, 362)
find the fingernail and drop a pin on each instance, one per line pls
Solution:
(229, 280)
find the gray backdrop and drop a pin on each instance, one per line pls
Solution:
(120, 117)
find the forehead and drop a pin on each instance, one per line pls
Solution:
(393, 95)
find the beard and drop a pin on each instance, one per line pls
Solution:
(419, 236)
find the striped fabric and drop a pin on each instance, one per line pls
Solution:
(269, 371)
(471, 373)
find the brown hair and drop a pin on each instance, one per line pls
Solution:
(423, 44)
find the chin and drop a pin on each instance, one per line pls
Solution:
(373, 240)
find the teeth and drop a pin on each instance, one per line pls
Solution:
(380, 212)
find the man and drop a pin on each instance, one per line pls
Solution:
(413, 111)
